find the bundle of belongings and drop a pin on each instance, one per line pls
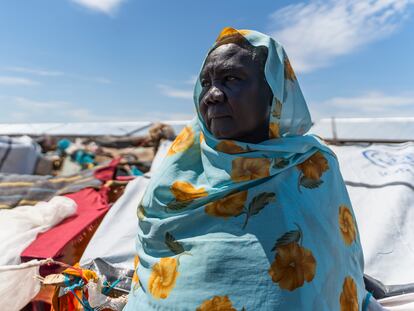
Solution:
(48, 220)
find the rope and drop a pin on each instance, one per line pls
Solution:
(108, 287)
(30, 264)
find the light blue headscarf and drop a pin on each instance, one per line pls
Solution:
(227, 225)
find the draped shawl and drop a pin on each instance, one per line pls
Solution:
(228, 225)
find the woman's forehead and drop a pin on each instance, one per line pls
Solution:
(228, 56)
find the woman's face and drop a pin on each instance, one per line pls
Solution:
(235, 98)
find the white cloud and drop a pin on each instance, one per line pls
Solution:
(104, 6)
(16, 81)
(372, 100)
(34, 105)
(49, 73)
(192, 80)
(167, 116)
(27, 110)
(174, 92)
(369, 104)
(22, 109)
(39, 72)
(102, 80)
(317, 32)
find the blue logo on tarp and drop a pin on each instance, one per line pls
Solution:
(387, 159)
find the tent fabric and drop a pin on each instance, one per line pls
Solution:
(399, 303)
(92, 206)
(84, 128)
(365, 129)
(18, 155)
(380, 182)
(114, 241)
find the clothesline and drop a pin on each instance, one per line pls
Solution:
(33, 263)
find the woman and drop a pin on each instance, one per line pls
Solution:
(246, 212)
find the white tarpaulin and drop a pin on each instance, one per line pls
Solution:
(114, 241)
(84, 128)
(365, 129)
(380, 182)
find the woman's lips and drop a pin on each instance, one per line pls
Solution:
(220, 117)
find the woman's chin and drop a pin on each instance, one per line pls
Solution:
(222, 134)
(222, 128)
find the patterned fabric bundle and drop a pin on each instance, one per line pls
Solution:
(227, 225)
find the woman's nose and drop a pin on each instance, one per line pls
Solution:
(215, 96)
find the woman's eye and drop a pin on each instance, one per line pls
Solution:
(231, 78)
(205, 83)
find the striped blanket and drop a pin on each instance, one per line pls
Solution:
(16, 190)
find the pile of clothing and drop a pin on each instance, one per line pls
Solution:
(48, 220)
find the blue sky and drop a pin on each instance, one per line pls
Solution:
(127, 60)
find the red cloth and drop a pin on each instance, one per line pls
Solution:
(107, 172)
(92, 205)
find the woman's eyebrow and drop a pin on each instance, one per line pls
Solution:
(230, 68)
(221, 68)
(227, 66)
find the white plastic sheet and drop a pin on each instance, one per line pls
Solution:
(380, 181)
(18, 285)
(18, 228)
(399, 303)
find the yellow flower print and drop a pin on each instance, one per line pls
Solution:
(349, 298)
(231, 205)
(289, 73)
(277, 110)
(201, 137)
(217, 303)
(314, 167)
(293, 265)
(229, 31)
(183, 141)
(184, 191)
(273, 130)
(163, 277)
(346, 225)
(244, 169)
(229, 146)
(135, 278)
